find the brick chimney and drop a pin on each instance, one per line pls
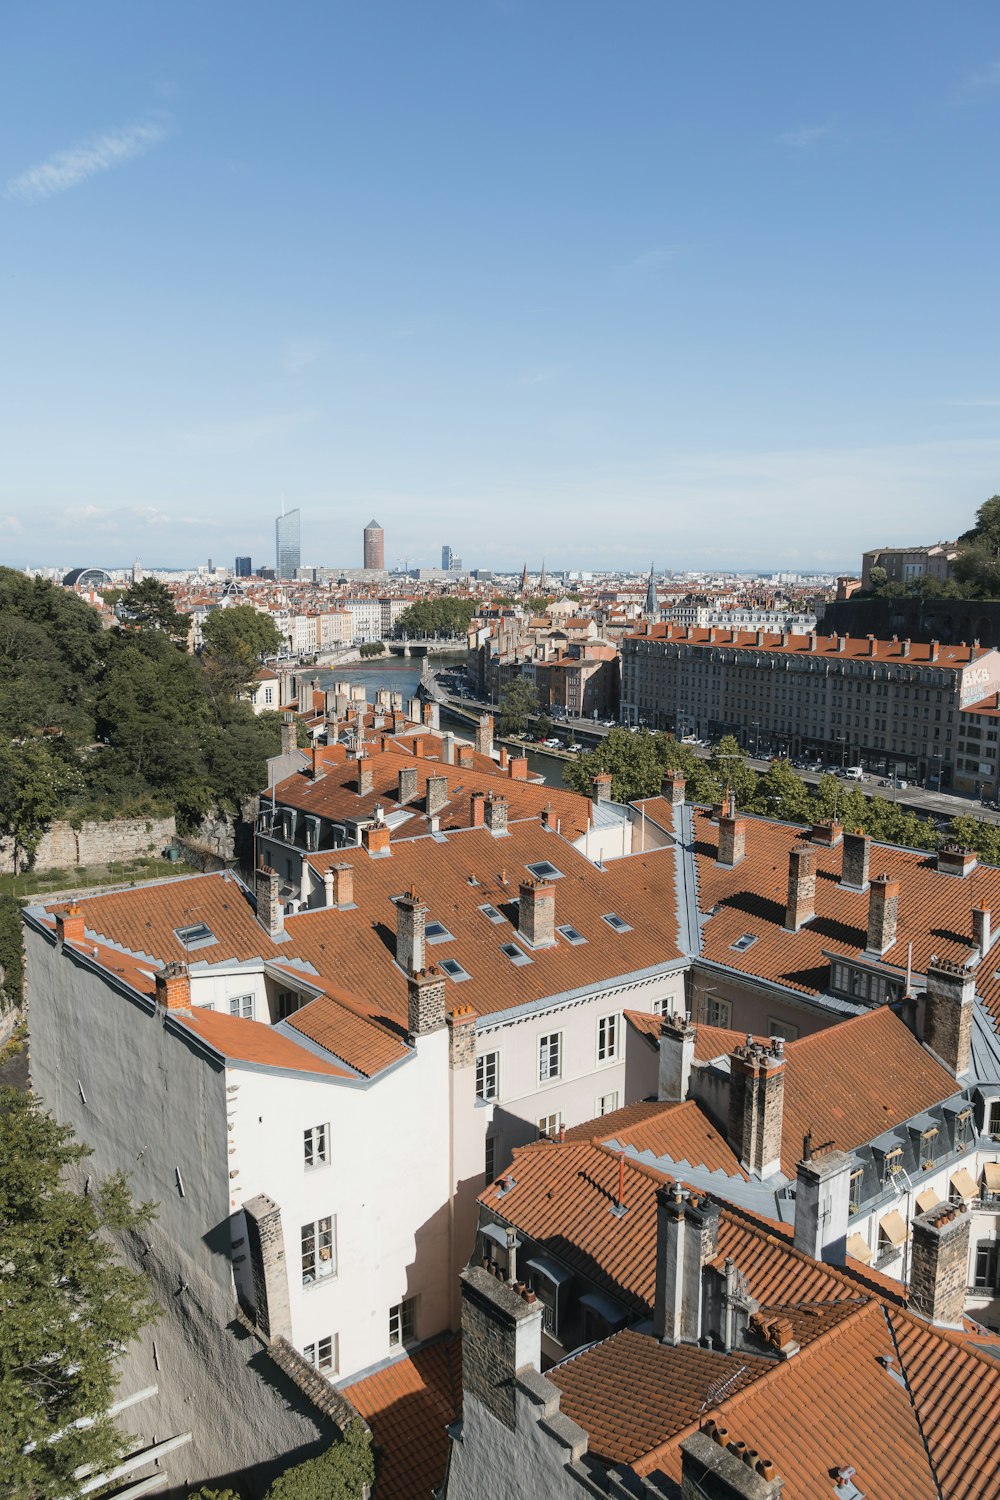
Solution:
(448, 748)
(517, 768)
(435, 794)
(712, 1465)
(948, 1013)
(827, 835)
(173, 987)
(270, 912)
(484, 734)
(425, 1002)
(407, 788)
(504, 757)
(939, 1264)
(338, 881)
(502, 1346)
(883, 910)
(477, 810)
(366, 780)
(732, 836)
(496, 814)
(411, 924)
(801, 905)
(856, 861)
(677, 1037)
(687, 1239)
(288, 734)
(756, 1102)
(466, 757)
(376, 838)
(69, 924)
(673, 788)
(600, 787)
(536, 916)
(935, 650)
(461, 1036)
(823, 1204)
(981, 933)
(955, 859)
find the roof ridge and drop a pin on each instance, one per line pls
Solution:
(887, 1315)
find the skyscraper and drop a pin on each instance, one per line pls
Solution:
(244, 567)
(374, 546)
(446, 556)
(287, 552)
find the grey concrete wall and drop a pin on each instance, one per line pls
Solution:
(63, 847)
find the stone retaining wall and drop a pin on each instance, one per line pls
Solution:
(66, 848)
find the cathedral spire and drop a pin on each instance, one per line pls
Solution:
(524, 581)
(543, 582)
(652, 603)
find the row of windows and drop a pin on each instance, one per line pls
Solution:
(550, 1057)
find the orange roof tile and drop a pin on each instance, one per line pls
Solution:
(605, 1126)
(681, 1133)
(408, 1405)
(866, 648)
(248, 1041)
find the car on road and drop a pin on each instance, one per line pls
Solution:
(552, 744)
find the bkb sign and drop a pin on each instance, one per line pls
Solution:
(980, 678)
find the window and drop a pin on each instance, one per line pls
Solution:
(993, 1119)
(607, 1103)
(549, 1126)
(987, 1257)
(488, 1076)
(743, 943)
(857, 1182)
(491, 914)
(491, 1159)
(571, 935)
(241, 1005)
(323, 1354)
(893, 1163)
(607, 1038)
(454, 970)
(288, 1003)
(963, 1129)
(928, 1147)
(197, 936)
(437, 932)
(717, 1012)
(785, 1029)
(543, 870)
(515, 954)
(402, 1322)
(316, 1144)
(618, 923)
(549, 1056)
(319, 1251)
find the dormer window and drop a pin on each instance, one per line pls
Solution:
(198, 935)
(893, 1164)
(963, 1129)
(857, 1183)
(928, 1147)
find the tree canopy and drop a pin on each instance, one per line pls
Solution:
(69, 1307)
(445, 616)
(235, 641)
(976, 567)
(341, 1473)
(150, 605)
(518, 704)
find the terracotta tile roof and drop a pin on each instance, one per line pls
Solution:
(646, 1024)
(682, 1133)
(709, 1041)
(659, 811)
(935, 909)
(603, 1127)
(631, 1393)
(249, 1041)
(408, 1405)
(336, 1023)
(853, 1081)
(864, 648)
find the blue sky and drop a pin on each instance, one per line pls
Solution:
(599, 280)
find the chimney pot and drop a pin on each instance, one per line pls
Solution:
(883, 912)
(173, 987)
(536, 917)
(856, 861)
(801, 904)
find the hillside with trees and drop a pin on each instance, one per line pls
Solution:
(976, 568)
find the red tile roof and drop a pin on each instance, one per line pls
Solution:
(408, 1405)
(605, 1126)
(248, 1041)
(864, 648)
(682, 1133)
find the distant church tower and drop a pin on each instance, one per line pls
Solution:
(524, 581)
(652, 603)
(543, 582)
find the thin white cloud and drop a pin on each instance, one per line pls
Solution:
(298, 354)
(541, 375)
(67, 169)
(805, 136)
(649, 260)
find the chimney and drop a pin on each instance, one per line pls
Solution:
(496, 814)
(904, 650)
(948, 1013)
(315, 761)
(376, 838)
(713, 1466)
(425, 1002)
(466, 757)
(504, 757)
(407, 788)
(687, 1239)
(411, 922)
(801, 906)
(517, 768)
(477, 809)
(673, 788)
(981, 934)
(756, 1102)
(939, 1264)
(366, 779)
(955, 859)
(872, 645)
(856, 861)
(69, 924)
(841, 644)
(173, 987)
(288, 734)
(732, 836)
(427, 714)
(883, 909)
(935, 650)
(435, 794)
(270, 913)
(329, 888)
(827, 835)
(536, 916)
(448, 748)
(600, 787)
(501, 1341)
(461, 1036)
(677, 1037)
(484, 734)
(339, 883)
(823, 1205)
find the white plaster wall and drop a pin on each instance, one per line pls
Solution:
(217, 987)
(388, 1184)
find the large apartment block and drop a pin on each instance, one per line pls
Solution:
(894, 705)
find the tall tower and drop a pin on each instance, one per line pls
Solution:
(374, 546)
(652, 603)
(524, 581)
(287, 551)
(543, 582)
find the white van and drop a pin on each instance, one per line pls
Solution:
(855, 773)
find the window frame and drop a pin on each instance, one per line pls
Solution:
(312, 1137)
(714, 1005)
(241, 1006)
(550, 1125)
(551, 1042)
(318, 1238)
(314, 1355)
(404, 1315)
(483, 1066)
(608, 1025)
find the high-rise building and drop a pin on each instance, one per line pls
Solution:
(446, 556)
(374, 546)
(244, 567)
(288, 556)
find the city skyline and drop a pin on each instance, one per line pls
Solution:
(756, 281)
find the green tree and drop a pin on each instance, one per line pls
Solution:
(728, 767)
(236, 640)
(150, 605)
(877, 579)
(34, 787)
(447, 616)
(372, 648)
(780, 793)
(973, 833)
(518, 703)
(341, 1473)
(69, 1307)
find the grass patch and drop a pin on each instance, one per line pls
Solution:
(120, 872)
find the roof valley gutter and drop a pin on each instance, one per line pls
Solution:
(686, 878)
